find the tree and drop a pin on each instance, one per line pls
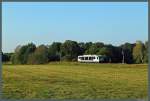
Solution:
(6, 57)
(87, 46)
(19, 56)
(15, 57)
(127, 50)
(40, 56)
(138, 52)
(82, 47)
(105, 51)
(22, 53)
(18, 48)
(95, 47)
(30, 49)
(54, 51)
(146, 52)
(70, 50)
(108, 51)
(114, 53)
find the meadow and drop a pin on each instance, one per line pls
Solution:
(75, 81)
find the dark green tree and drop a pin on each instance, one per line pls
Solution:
(22, 53)
(82, 47)
(127, 49)
(40, 56)
(95, 47)
(6, 57)
(87, 46)
(54, 51)
(70, 50)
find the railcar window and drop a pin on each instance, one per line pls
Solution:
(82, 58)
(90, 58)
(86, 58)
(93, 57)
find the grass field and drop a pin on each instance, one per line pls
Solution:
(75, 81)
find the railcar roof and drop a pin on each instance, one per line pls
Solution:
(89, 55)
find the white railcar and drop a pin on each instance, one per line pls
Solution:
(90, 58)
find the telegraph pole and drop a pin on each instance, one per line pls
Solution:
(122, 56)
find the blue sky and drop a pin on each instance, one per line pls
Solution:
(43, 23)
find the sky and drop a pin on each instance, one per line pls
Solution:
(43, 23)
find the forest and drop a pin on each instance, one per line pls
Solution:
(130, 53)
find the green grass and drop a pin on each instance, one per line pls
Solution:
(75, 81)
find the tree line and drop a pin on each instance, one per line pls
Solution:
(69, 51)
